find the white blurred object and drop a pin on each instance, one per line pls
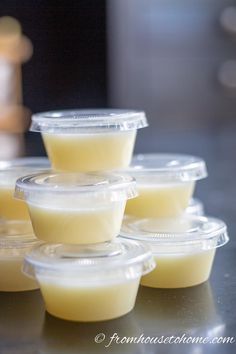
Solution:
(6, 76)
(13, 146)
(227, 75)
(228, 19)
(195, 207)
(14, 117)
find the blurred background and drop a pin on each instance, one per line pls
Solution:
(175, 59)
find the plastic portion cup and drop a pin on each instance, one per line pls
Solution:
(89, 140)
(195, 207)
(165, 183)
(10, 171)
(184, 248)
(89, 282)
(16, 240)
(76, 208)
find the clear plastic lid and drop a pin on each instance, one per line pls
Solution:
(88, 121)
(90, 260)
(186, 233)
(168, 168)
(195, 207)
(10, 170)
(104, 185)
(16, 234)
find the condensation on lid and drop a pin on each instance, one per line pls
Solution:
(76, 183)
(88, 120)
(89, 258)
(182, 231)
(167, 168)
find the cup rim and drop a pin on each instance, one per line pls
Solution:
(204, 233)
(106, 184)
(16, 239)
(166, 168)
(88, 120)
(79, 260)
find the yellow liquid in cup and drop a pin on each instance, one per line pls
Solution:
(90, 152)
(180, 270)
(11, 208)
(163, 200)
(11, 276)
(64, 225)
(75, 302)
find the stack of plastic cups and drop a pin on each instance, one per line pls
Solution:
(163, 216)
(84, 271)
(16, 233)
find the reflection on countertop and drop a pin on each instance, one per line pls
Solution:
(21, 321)
(171, 311)
(192, 311)
(63, 337)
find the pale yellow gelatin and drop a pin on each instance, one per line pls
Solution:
(11, 208)
(90, 152)
(11, 276)
(160, 200)
(180, 270)
(69, 300)
(66, 225)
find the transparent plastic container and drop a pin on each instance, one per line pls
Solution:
(165, 183)
(93, 282)
(16, 240)
(184, 248)
(75, 207)
(10, 171)
(89, 140)
(195, 207)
